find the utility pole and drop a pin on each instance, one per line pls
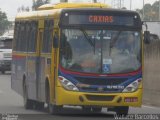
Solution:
(118, 3)
(130, 4)
(143, 9)
(159, 10)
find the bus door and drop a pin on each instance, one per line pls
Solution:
(54, 65)
(34, 64)
(40, 62)
(31, 59)
(45, 36)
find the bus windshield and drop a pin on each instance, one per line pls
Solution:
(100, 51)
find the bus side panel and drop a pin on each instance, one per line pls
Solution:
(18, 70)
(44, 74)
(31, 77)
(41, 91)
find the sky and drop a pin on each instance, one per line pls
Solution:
(10, 6)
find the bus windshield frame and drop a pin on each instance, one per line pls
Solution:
(119, 29)
(100, 51)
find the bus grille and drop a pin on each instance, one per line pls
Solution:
(96, 89)
(99, 85)
(100, 97)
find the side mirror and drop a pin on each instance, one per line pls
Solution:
(55, 41)
(147, 37)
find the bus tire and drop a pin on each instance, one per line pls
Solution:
(28, 104)
(52, 109)
(122, 110)
(39, 105)
(96, 109)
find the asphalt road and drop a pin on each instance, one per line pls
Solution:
(12, 104)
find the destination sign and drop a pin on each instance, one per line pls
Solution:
(101, 20)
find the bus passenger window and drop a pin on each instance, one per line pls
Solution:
(32, 38)
(47, 36)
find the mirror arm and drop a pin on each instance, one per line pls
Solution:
(145, 24)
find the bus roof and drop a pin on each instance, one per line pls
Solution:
(50, 10)
(37, 14)
(72, 5)
(54, 10)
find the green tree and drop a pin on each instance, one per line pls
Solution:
(37, 3)
(155, 10)
(147, 11)
(140, 11)
(151, 12)
(23, 9)
(4, 23)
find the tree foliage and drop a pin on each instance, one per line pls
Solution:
(4, 23)
(23, 9)
(37, 3)
(151, 12)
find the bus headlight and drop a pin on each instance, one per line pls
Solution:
(68, 85)
(133, 86)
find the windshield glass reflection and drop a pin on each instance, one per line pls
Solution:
(100, 51)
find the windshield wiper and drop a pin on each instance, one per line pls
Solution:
(114, 41)
(88, 39)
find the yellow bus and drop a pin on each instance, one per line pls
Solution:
(76, 54)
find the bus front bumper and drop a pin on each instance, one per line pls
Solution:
(65, 97)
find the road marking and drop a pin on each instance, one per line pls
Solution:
(150, 107)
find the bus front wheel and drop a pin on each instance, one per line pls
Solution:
(52, 109)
